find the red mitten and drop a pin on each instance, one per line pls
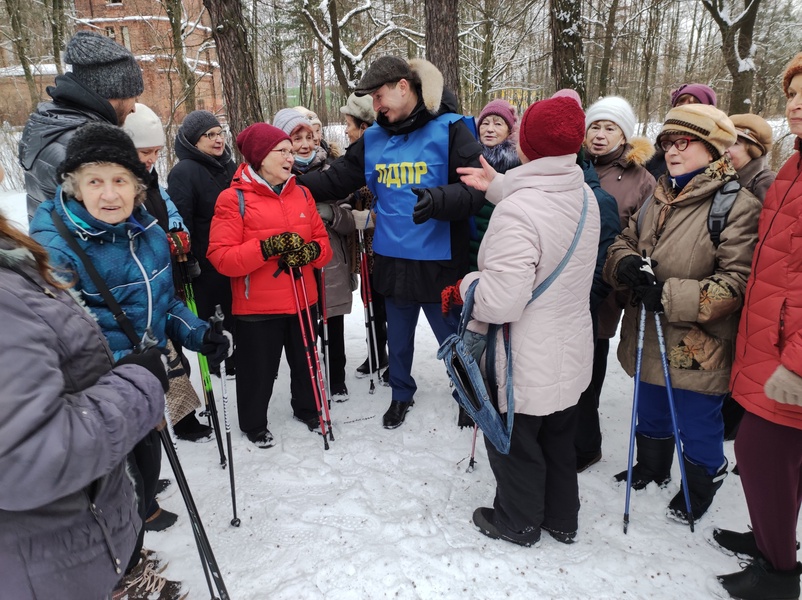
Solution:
(450, 297)
(179, 242)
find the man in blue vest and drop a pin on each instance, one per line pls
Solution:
(409, 159)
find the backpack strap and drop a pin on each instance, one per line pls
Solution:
(720, 210)
(642, 213)
(241, 197)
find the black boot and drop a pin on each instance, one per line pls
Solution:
(654, 459)
(702, 488)
(758, 581)
(396, 414)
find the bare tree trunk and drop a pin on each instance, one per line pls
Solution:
(442, 40)
(236, 63)
(604, 71)
(58, 24)
(487, 61)
(566, 41)
(20, 43)
(174, 11)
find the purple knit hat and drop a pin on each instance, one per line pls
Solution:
(499, 108)
(700, 91)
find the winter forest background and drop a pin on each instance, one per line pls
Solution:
(277, 53)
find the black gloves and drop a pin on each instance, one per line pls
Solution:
(150, 359)
(300, 257)
(629, 272)
(216, 346)
(425, 206)
(281, 243)
(651, 296)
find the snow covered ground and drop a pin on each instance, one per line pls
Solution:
(387, 514)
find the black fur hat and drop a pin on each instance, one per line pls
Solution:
(101, 143)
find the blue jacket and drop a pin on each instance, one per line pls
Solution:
(133, 258)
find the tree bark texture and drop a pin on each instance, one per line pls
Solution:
(20, 42)
(566, 40)
(442, 40)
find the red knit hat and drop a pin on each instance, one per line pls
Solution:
(552, 127)
(257, 140)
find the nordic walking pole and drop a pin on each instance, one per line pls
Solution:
(218, 326)
(325, 314)
(313, 345)
(636, 395)
(292, 273)
(662, 343)
(472, 462)
(208, 393)
(370, 318)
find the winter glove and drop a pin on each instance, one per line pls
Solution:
(424, 208)
(300, 257)
(179, 242)
(217, 346)
(449, 297)
(784, 386)
(326, 212)
(630, 272)
(363, 219)
(281, 243)
(193, 267)
(651, 296)
(150, 359)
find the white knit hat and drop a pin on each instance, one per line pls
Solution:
(145, 128)
(615, 109)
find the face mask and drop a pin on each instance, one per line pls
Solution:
(305, 161)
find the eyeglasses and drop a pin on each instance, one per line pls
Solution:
(679, 144)
(213, 135)
(284, 152)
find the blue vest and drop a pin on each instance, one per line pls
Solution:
(393, 165)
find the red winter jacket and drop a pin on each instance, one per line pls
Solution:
(770, 331)
(235, 250)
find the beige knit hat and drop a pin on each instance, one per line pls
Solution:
(756, 131)
(145, 127)
(794, 68)
(707, 123)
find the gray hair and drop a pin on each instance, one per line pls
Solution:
(70, 184)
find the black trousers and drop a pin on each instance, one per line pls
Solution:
(380, 322)
(144, 462)
(260, 344)
(536, 483)
(588, 439)
(336, 351)
(212, 289)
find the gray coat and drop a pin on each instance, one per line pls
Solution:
(68, 518)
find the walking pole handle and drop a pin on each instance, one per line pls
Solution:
(216, 320)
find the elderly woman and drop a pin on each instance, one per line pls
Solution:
(748, 153)
(767, 382)
(100, 206)
(339, 222)
(697, 295)
(253, 241)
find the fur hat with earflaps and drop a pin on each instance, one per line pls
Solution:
(101, 143)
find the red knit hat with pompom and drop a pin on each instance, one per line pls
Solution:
(552, 127)
(257, 140)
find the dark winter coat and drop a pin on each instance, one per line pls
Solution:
(770, 332)
(68, 515)
(756, 177)
(48, 131)
(194, 185)
(404, 279)
(133, 258)
(502, 157)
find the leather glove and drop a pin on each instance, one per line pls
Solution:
(281, 243)
(449, 297)
(150, 359)
(651, 296)
(302, 256)
(179, 242)
(363, 219)
(629, 272)
(193, 267)
(425, 206)
(325, 211)
(784, 386)
(217, 346)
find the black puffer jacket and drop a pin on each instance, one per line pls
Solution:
(404, 279)
(193, 185)
(48, 131)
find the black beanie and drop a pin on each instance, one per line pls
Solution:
(104, 66)
(196, 124)
(101, 143)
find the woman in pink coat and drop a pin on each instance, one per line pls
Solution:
(551, 339)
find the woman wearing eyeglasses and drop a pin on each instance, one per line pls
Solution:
(205, 169)
(697, 289)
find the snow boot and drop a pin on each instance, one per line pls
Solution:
(702, 488)
(339, 392)
(312, 422)
(262, 438)
(734, 543)
(396, 414)
(384, 378)
(654, 459)
(160, 520)
(484, 519)
(758, 581)
(191, 430)
(143, 583)
(362, 370)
